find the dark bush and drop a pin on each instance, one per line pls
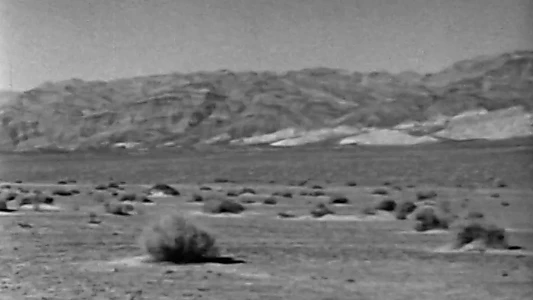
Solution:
(196, 198)
(482, 231)
(404, 208)
(425, 194)
(165, 189)
(222, 205)
(430, 218)
(338, 199)
(119, 208)
(205, 188)
(380, 191)
(284, 194)
(246, 190)
(61, 192)
(386, 204)
(176, 239)
(320, 210)
(286, 215)
(351, 183)
(271, 200)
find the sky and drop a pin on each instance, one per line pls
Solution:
(53, 40)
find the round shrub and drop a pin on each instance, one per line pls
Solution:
(222, 205)
(317, 187)
(232, 193)
(284, 194)
(246, 190)
(320, 210)
(8, 196)
(351, 183)
(316, 193)
(368, 210)
(404, 208)
(425, 194)
(431, 218)
(380, 191)
(130, 196)
(165, 189)
(174, 238)
(338, 199)
(3, 205)
(205, 188)
(271, 200)
(386, 204)
(196, 198)
(61, 192)
(481, 231)
(286, 214)
(119, 208)
(36, 198)
(249, 198)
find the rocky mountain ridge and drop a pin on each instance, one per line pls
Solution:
(280, 109)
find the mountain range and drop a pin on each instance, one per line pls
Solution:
(486, 97)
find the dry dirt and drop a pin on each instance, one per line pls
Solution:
(63, 257)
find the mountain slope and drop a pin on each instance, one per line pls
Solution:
(186, 109)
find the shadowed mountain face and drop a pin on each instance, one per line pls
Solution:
(188, 109)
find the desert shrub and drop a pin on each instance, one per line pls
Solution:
(165, 189)
(428, 218)
(3, 205)
(221, 180)
(504, 203)
(474, 215)
(499, 183)
(222, 205)
(61, 192)
(196, 198)
(386, 183)
(351, 183)
(317, 187)
(130, 196)
(286, 214)
(62, 182)
(75, 191)
(320, 210)
(271, 200)
(36, 199)
(338, 199)
(114, 185)
(100, 187)
(119, 208)
(249, 198)
(317, 193)
(305, 192)
(479, 230)
(18, 181)
(397, 187)
(386, 204)
(8, 196)
(205, 188)
(5, 186)
(246, 190)
(495, 195)
(404, 208)
(284, 194)
(232, 193)
(425, 194)
(93, 218)
(368, 210)
(380, 191)
(176, 239)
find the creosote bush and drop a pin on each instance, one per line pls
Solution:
(380, 191)
(320, 210)
(221, 205)
(3, 205)
(481, 231)
(119, 208)
(404, 209)
(425, 195)
(174, 238)
(386, 204)
(430, 217)
(270, 200)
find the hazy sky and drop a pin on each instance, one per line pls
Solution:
(50, 40)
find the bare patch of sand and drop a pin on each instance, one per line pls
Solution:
(42, 207)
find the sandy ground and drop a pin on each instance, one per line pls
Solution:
(57, 254)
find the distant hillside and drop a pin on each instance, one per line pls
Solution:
(177, 109)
